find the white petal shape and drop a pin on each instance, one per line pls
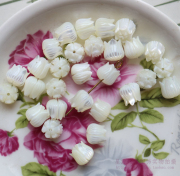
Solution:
(81, 101)
(108, 73)
(113, 50)
(100, 110)
(81, 73)
(170, 87)
(39, 67)
(85, 27)
(51, 48)
(146, 79)
(37, 115)
(60, 67)
(82, 153)
(74, 52)
(124, 29)
(56, 88)
(17, 75)
(56, 109)
(130, 93)
(33, 87)
(104, 27)
(52, 128)
(133, 49)
(95, 134)
(164, 68)
(66, 33)
(94, 46)
(154, 51)
(8, 93)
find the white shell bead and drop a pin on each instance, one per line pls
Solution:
(95, 134)
(81, 73)
(164, 68)
(52, 128)
(94, 46)
(51, 48)
(82, 153)
(33, 87)
(108, 73)
(104, 27)
(37, 115)
(17, 75)
(130, 93)
(154, 51)
(8, 93)
(113, 50)
(124, 29)
(60, 67)
(56, 88)
(81, 101)
(100, 110)
(146, 79)
(39, 67)
(170, 87)
(85, 27)
(56, 109)
(133, 49)
(66, 33)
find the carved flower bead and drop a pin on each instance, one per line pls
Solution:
(51, 48)
(94, 46)
(33, 87)
(56, 88)
(164, 68)
(52, 128)
(60, 67)
(130, 93)
(37, 115)
(104, 27)
(74, 52)
(146, 79)
(81, 73)
(85, 27)
(108, 73)
(39, 67)
(8, 93)
(17, 75)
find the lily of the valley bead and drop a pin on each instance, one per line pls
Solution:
(8, 93)
(96, 134)
(82, 153)
(74, 52)
(52, 128)
(66, 33)
(130, 93)
(60, 67)
(85, 27)
(108, 73)
(113, 50)
(94, 46)
(56, 109)
(37, 115)
(100, 110)
(133, 49)
(56, 88)
(39, 67)
(104, 27)
(81, 101)
(33, 87)
(170, 87)
(146, 79)
(51, 48)
(81, 73)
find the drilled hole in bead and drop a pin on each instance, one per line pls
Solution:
(74, 51)
(54, 87)
(59, 68)
(162, 68)
(8, 94)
